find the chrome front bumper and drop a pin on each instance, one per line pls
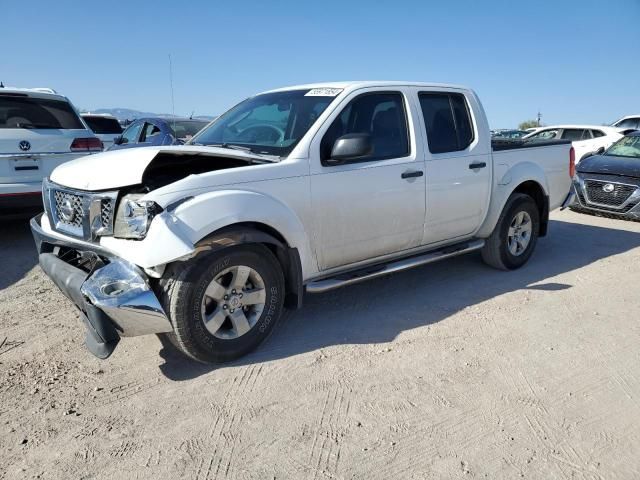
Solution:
(115, 300)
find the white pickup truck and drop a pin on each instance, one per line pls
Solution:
(305, 188)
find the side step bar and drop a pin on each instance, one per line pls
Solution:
(380, 270)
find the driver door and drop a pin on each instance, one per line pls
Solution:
(376, 205)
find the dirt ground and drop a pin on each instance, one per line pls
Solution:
(452, 370)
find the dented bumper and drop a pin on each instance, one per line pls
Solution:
(115, 300)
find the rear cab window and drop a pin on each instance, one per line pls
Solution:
(24, 111)
(447, 120)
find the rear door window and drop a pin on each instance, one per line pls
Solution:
(597, 133)
(150, 133)
(18, 111)
(573, 134)
(447, 121)
(382, 116)
(103, 125)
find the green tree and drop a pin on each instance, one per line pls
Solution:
(528, 124)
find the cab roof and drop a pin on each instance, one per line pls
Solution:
(353, 85)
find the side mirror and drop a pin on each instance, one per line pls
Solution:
(118, 140)
(350, 147)
(600, 151)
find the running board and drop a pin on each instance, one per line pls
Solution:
(367, 273)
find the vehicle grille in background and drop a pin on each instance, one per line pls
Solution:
(626, 208)
(106, 212)
(75, 201)
(615, 198)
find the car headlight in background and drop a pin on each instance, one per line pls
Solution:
(134, 216)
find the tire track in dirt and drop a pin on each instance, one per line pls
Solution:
(127, 390)
(324, 455)
(224, 434)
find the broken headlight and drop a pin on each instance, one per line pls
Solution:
(134, 216)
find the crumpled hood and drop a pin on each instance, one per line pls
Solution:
(610, 165)
(120, 168)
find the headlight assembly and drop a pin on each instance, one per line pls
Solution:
(134, 216)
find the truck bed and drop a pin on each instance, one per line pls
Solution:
(499, 144)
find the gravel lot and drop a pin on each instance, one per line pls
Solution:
(448, 371)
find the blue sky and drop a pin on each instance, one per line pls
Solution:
(575, 60)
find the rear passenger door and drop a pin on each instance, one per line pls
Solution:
(372, 206)
(458, 165)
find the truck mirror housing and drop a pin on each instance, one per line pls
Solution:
(351, 147)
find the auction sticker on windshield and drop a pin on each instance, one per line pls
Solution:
(323, 92)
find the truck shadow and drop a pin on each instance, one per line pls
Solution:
(379, 310)
(17, 251)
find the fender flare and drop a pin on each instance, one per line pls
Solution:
(288, 257)
(514, 178)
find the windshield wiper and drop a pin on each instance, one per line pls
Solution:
(231, 146)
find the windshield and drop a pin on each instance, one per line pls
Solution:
(185, 129)
(271, 123)
(626, 147)
(17, 111)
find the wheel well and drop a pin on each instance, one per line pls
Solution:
(535, 191)
(255, 232)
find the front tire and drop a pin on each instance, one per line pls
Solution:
(225, 303)
(515, 235)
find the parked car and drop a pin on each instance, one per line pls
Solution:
(304, 188)
(154, 132)
(586, 139)
(609, 184)
(106, 127)
(39, 130)
(508, 133)
(631, 122)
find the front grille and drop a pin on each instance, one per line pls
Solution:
(68, 208)
(82, 214)
(622, 210)
(614, 198)
(106, 213)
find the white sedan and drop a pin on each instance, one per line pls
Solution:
(586, 139)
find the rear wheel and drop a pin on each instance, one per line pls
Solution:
(225, 303)
(515, 235)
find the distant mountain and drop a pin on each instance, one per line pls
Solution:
(129, 114)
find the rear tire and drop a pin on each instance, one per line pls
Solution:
(515, 235)
(223, 304)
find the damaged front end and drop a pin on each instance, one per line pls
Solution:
(113, 296)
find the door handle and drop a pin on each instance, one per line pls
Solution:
(473, 166)
(412, 174)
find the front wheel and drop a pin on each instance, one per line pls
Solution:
(225, 303)
(515, 236)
